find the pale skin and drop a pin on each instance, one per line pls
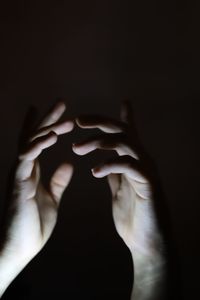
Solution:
(34, 207)
(132, 198)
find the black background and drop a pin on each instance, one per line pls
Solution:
(93, 54)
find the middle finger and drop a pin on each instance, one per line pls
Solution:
(114, 142)
(105, 124)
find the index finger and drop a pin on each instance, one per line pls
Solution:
(105, 124)
(54, 115)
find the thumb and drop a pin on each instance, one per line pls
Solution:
(60, 181)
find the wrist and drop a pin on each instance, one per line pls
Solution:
(10, 267)
(149, 274)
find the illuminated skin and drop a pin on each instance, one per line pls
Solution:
(132, 198)
(34, 209)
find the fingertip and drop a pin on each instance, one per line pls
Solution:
(69, 125)
(60, 105)
(76, 149)
(83, 121)
(67, 167)
(78, 121)
(96, 172)
(63, 174)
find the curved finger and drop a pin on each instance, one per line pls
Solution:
(54, 115)
(103, 123)
(59, 128)
(121, 165)
(38, 145)
(113, 142)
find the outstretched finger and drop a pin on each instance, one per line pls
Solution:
(115, 142)
(37, 146)
(54, 115)
(105, 124)
(58, 128)
(121, 165)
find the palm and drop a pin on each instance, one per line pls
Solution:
(132, 213)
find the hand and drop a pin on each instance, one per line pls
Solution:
(33, 210)
(132, 191)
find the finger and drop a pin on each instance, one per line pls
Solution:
(54, 115)
(114, 183)
(28, 169)
(59, 128)
(121, 165)
(60, 181)
(105, 142)
(37, 146)
(24, 170)
(103, 123)
(126, 112)
(35, 174)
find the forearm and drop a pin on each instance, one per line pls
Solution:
(149, 276)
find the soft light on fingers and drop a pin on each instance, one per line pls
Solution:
(54, 115)
(105, 124)
(37, 146)
(59, 129)
(24, 170)
(35, 175)
(82, 149)
(87, 147)
(60, 181)
(119, 167)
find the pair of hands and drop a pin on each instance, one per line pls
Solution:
(34, 208)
